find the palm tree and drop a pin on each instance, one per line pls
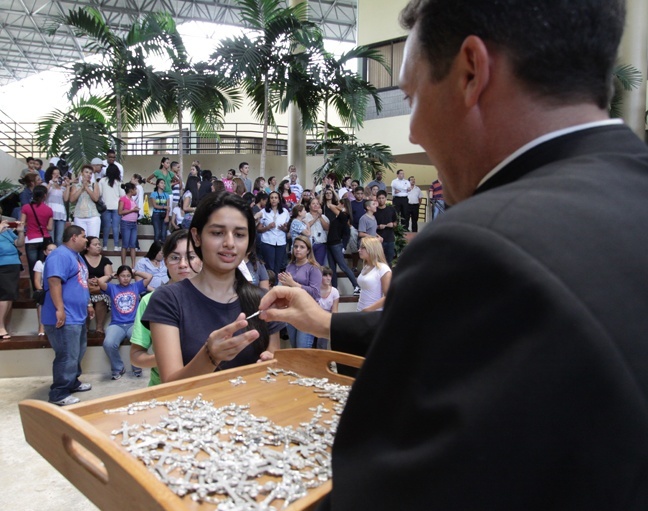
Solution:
(263, 60)
(342, 88)
(191, 87)
(625, 78)
(348, 157)
(122, 72)
(83, 132)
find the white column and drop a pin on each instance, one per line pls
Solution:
(634, 51)
(297, 138)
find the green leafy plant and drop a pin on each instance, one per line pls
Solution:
(625, 78)
(348, 157)
(83, 132)
(266, 61)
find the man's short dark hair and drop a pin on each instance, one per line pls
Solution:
(381, 192)
(111, 151)
(561, 49)
(243, 164)
(367, 203)
(70, 231)
(358, 189)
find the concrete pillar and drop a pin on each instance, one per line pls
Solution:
(297, 138)
(634, 51)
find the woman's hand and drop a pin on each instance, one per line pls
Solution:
(286, 279)
(221, 346)
(265, 356)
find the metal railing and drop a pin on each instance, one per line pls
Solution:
(19, 140)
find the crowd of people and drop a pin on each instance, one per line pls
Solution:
(283, 234)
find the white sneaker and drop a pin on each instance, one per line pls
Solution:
(70, 400)
(117, 249)
(84, 387)
(356, 291)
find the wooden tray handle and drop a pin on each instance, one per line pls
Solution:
(108, 475)
(317, 363)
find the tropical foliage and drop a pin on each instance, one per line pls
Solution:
(122, 72)
(626, 78)
(337, 86)
(348, 157)
(82, 132)
(265, 61)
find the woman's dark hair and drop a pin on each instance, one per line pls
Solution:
(347, 206)
(49, 172)
(112, 173)
(128, 187)
(125, 267)
(252, 257)
(249, 295)
(154, 250)
(173, 240)
(233, 172)
(326, 271)
(157, 184)
(206, 175)
(192, 186)
(29, 180)
(88, 241)
(162, 162)
(257, 184)
(268, 207)
(40, 192)
(139, 178)
(297, 208)
(282, 186)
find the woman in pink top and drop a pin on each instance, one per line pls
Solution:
(38, 218)
(128, 211)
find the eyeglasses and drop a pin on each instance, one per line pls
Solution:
(175, 259)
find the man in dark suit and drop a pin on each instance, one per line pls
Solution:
(509, 368)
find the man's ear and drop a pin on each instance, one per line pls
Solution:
(474, 61)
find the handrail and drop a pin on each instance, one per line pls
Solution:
(158, 138)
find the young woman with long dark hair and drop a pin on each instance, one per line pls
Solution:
(198, 325)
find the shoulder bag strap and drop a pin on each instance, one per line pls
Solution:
(40, 227)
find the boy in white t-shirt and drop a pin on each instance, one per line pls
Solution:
(39, 267)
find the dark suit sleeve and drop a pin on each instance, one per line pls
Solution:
(488, 386)
(353, 332)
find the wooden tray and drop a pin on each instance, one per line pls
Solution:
(76, 439)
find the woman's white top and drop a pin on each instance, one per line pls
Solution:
(274, 236)
(370, 285)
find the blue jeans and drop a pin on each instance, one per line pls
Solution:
(128, 234)
(389, 249)
(335, 256)
(34, 253)
(299, 339)
(110, 219)
(159, 226)
(115, 334)
(69, 343)
(274, 257)
(57, 232)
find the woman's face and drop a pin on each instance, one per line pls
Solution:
(38, 181)
(315, 206)
(223, 240)
(302, 214)
(95, 247)
(159, 256)
(274, 200)
(273, 182)
(161, 185)
(56, 175)
(328, 195)
(230, 175)
(86, 174)
(180, 265)
(326, 279)
(300, 250)
(166, 164)
(362, 252)
(134, 181)
(125, 278)
(193, 171)
(261, 183)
